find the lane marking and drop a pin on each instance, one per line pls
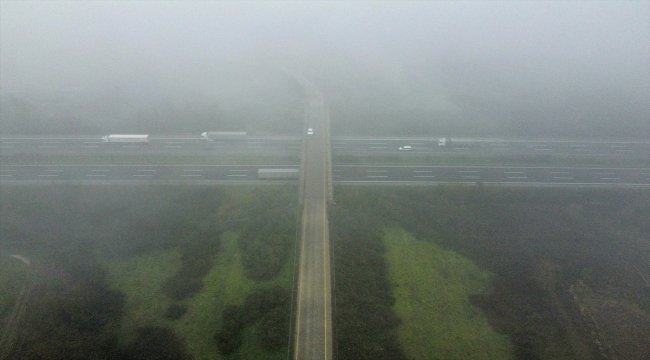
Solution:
(53, 170)
(145, 170)
(610, 178)
(377, 176)
(142, 175)
(172, 146)
(470, 177)
(89, 146)
(378, 147)
(422, 171)
(6, 175)
(96, 175)
(517, 177)
(563, 177)
(605, 173)
(47, 175)
(424, 176)
(467, 171)
(191, 175)
(228, 175)
(513, 172)
(376, 171)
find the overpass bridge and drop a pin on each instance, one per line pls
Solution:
(312, 318)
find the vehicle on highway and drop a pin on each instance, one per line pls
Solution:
(126, 138)
(310, 131)
(290, 173)
(442, 142)
(405, 148)
(224, 135)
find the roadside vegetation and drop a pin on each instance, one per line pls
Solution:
(559, 258)
(136, 272)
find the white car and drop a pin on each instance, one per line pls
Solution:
(405, 147)
(310, 131)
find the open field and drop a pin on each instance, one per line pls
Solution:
(432, 287)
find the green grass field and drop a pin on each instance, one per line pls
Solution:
(432, 287)
(141, 278)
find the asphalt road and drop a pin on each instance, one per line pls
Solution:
(313, 313)
(389, 174)
(188, 144)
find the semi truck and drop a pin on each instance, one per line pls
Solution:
(224, 135)
(458, 142)
(278, 174)
(126, 138)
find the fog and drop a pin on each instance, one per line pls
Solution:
(570, 68)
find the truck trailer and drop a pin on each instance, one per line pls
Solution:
(126, 138)
(224, 135)
(278, 174)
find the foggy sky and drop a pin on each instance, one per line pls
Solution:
(506, 46)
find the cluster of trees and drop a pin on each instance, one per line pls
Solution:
(537, 241)
(269, 309)
(72, 314)
(364, 321)
(269, 233)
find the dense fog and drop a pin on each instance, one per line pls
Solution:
(477, 68)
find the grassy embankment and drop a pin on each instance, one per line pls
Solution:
(432, 287)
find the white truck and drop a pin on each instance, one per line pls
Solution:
(126, 138)
(458, 142)
(224, 135)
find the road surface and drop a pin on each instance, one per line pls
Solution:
(368, 174)
(193, 145)
(313, 313)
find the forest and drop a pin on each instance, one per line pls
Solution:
(570, 265)
(79, 239)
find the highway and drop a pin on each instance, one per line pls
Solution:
(371, 174)
(194, 145)
(313, 309)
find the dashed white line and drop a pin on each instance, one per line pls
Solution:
(89, 146)
(563, 177)
(379, 147)
(513, 172)
(190, 175)
(422, 171)
(46, 175)
(172, 146)
(228, 175)
(470, 177)
(145, 170)
(610, 178)
(100, 170)
(238, 170)
(6, 175)
(424, 176)
(467, 171)
(193, 170)
(53, 170)
(605, 173)
(96, 175)
(377, 176)
(376, 171)
(517, 177)
(140, 175)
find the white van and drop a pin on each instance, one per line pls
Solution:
(405, 147)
